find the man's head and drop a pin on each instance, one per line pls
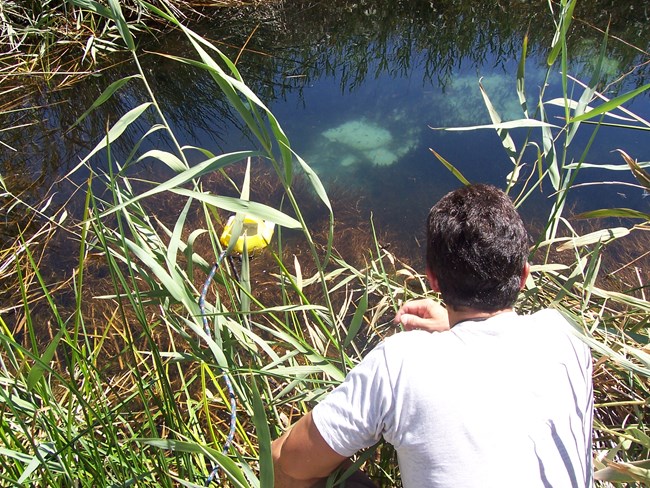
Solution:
(476, 248)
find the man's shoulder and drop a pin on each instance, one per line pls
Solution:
(551, 328)
(418, 344)
(414, 338)
(548, 321)
(548, 314)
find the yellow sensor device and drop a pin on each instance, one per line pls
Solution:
(257, 234)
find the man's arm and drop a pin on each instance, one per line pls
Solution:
(301, 457)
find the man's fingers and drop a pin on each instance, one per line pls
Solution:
(413, 322)
(421, 308)
(410, 322)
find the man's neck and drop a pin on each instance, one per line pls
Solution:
(465, 314)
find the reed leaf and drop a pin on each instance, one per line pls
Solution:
(176, 237)
(451, 168)
(573, 105)
(357, 319)
(609, 167)
(619, 472)
(521, 77)
(238, 205)
(234, 472)
(610, 105)
(639, 173)
(169, 159)
(613, 212)
(114, 133)
(510, 124)
(506, 140)
(186, 176)
(315, 181)
(105, 96)
(122, 25)
(604, 235)
(559, 38)
(550, 154)
(263, 436)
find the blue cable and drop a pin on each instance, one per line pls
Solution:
(226, 377)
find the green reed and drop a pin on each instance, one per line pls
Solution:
(126, 388)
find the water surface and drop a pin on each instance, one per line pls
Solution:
(358, 88)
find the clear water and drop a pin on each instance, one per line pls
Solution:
(365, 121)
(358, 88)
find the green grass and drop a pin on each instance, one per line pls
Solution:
(119, 385)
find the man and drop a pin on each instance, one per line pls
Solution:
(473, 395)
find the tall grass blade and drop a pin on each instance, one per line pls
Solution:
(245, 283)
(451, 168)
(92, 6)
(186, 176)
(521, 77)
(357, 319)
(610, 105)
(605, 349)
(171, 283)
(506, 140)
(44, 363)
(237, 205)
(104, 97)
(114, 133)
(263, 436)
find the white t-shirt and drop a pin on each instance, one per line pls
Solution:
(503, 402)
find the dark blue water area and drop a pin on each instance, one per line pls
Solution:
(394, 168)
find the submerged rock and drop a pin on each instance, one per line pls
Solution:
(382, 156)
(359, 142)
(359, 134)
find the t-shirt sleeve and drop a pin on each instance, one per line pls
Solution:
(354, 415)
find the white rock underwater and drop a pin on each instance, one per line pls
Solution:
(359, 141)
(360, 135)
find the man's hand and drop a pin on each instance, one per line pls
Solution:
(424, 314)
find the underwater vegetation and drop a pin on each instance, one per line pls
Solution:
(360, 142)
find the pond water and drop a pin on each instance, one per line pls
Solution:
(358, 86)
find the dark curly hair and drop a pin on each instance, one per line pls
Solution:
(477, 248)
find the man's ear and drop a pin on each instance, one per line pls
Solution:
(433, 280)
(524, 275)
